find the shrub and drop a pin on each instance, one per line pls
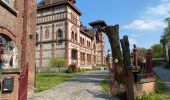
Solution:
(73, 67)
(69, 70)
(79, 69)
(57, 62)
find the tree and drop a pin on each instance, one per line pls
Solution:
(165, 40)
(157, 50)
(57, 62)
(141, 50)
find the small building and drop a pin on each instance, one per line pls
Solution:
(17, 43)
(60, 33)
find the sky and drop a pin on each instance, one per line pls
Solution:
(142, 20)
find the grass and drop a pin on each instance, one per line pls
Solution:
(105, 85)
(160, 94)
(46, 81)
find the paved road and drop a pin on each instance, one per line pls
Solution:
(84, 87)
(164, 74)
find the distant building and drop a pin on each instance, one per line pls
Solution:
(60, 33)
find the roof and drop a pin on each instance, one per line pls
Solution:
(85, 33)
(41, 5)
(98, 23)
(92, 32)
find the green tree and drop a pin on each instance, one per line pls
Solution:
(157, 50)
(57, 62)
(141, 50)
(165, 40)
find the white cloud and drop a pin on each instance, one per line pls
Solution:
(164, 1)
(162, 9)
(152, 18)
(145, 25)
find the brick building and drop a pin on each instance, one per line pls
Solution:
(60, 33)
(17, 30)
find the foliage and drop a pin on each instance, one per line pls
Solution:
(69, 70)
(157, 50)
(105, 85)
(57, 62)
(165, 38)
(73, 67)
(141, 50)
(44, 81)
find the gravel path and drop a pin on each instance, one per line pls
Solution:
(164, 75)
(84, 87)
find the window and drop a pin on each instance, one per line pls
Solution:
(81, 41)
(60, 33)
(88, 59)
(72, 36)
(37, 36)
(94, 46)
(59, 36)
(76, 37)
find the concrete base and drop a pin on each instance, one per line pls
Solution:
(144, 87)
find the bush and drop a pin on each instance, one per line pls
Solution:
(69, 70)
(57, 62)
(73, 67)
(79, 69)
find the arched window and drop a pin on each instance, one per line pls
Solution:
(60, 33)
(72, 36)
(94, 46)
(81, 40)
(87, 44)
(76, 37)
(59, 36)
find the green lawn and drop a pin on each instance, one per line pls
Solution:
(46, 81)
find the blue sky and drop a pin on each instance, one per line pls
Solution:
(141, 20)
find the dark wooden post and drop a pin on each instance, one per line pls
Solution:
(113, 35)
(127, 69)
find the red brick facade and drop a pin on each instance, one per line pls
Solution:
(17, 23)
